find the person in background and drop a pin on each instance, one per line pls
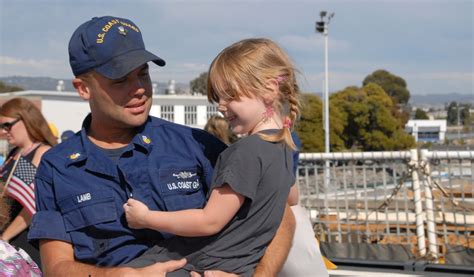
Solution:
(27, 130)
(219, 127)
(120, 153)
(254, 83)
(304, 259)
(66, 135)
(54, 130)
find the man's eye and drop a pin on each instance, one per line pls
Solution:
(119, 81)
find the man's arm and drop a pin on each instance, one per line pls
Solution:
(57, 258)
(294, 195)
(277, 252)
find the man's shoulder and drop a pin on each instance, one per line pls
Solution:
(65, 149)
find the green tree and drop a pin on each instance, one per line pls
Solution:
(199, 84)
(465, 115)
(393, 85)
(452, 113)
(310, 125)
(421, 114)
(455, 110)
(368, 121)
(6, 88)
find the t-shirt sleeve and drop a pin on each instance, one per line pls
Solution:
(240, 169)
(47, 223)
(211, 148)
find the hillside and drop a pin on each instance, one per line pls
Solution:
(47, 83)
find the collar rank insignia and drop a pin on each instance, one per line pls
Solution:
(74, 156)
(146, 139)
(122, 30)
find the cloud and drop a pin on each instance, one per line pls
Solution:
(182, 72)
(312, 43)
(34, 67)
(29, 63)
(447, 76)
(338, 80)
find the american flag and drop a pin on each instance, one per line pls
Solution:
(21, 186)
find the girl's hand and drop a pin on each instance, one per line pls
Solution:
(135, 213)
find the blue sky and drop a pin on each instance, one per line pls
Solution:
(428, 43)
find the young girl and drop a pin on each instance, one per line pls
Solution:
(253, 82)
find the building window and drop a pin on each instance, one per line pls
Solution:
(211, 110)
(167, 113)
(190, 115)
(428, 136)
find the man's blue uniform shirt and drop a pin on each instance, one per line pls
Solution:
(80, 191)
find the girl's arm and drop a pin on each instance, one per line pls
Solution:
(18, 225)
(219, 210)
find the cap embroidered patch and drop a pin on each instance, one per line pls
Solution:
(122, 30)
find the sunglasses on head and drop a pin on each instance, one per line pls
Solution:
(8, 125)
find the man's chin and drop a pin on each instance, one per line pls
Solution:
(134, 121)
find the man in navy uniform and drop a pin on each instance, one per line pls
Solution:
(121, 152)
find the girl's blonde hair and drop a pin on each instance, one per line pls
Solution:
(34, 121)
(244, 68)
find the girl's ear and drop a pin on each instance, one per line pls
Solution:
(82, 88)
(272, 93)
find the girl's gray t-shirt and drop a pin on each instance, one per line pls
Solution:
(262, 172)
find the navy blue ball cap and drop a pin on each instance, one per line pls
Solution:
(111, 46)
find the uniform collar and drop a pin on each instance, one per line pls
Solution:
(94, 158)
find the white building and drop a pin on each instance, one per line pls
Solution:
(427, 130)
(66, 110)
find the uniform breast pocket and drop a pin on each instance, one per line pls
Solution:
(89, 208)
(182, 188)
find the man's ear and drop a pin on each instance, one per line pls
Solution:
(82, 88)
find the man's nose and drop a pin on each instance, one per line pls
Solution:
(138, 87)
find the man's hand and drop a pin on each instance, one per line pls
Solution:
(160, 269)
(135, 212)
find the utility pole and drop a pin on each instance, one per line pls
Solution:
(459, 122)
(322, 27)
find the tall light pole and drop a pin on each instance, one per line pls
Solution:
(322, 27)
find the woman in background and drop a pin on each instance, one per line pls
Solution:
(28, 132)
(219, 127)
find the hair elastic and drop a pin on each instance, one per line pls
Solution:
(280, 78)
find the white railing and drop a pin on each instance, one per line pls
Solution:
(407, 197)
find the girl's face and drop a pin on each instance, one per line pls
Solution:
(14, 129)
(244, 114)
